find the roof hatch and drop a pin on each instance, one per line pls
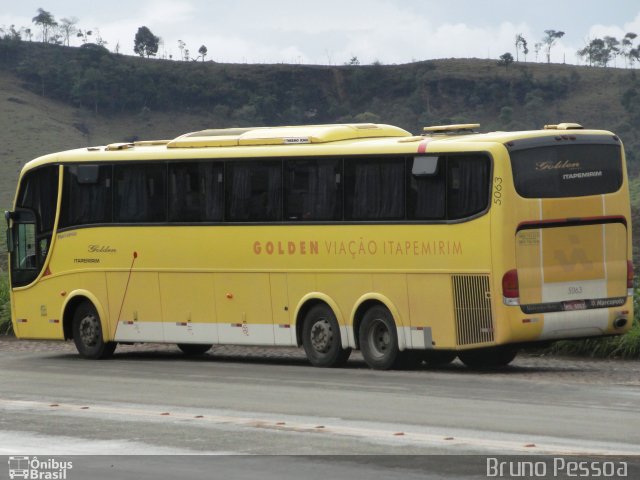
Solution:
(564, 126)
(306, 134)
(457, 129)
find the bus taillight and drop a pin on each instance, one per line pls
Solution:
(630, 278)
(510, 288)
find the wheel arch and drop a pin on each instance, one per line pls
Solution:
(369, 300)
(309, 301)
(72, 301)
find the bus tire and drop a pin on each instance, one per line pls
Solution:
(87, 333)
(194, 349)
(488, 358)
(321, 338)
(379, 339)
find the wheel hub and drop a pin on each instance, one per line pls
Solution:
(380, 339)
(321, 336)
(89, 330)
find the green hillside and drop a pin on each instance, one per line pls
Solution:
(54, 98)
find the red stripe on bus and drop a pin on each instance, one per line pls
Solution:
(422, 147)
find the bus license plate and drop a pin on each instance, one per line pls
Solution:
(575, 305)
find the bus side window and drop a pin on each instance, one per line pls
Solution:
(467, 186)
(313, 190)
(374, 189)
(196, 192)
(458, 188)
(254, 191)
(43, 249)
(86, 195)
(426, 196)
(140, 193)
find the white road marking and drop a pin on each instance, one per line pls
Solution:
(27, 443)
(454, 439)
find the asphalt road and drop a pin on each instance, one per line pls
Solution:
(151, 400)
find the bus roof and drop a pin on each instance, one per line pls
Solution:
(333, 139)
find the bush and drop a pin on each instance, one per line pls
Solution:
(626, 346)
(5, 308)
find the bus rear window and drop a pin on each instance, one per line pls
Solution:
(567, 170)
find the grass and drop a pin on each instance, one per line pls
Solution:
(625, 346)
(5, 308)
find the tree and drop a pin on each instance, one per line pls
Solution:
(595, 52)
(521, 43)
(46, 22)
(11, 34)
(202, 51)
(145, 42)
(535, 107)
(634, 55)
(181, 46)
(68, 28)
(99, 40)
(536, 48)
(599, 52)
(84, 34)
(611, 44)
(584, 53)
(551, 38)
(506, 59)
(627, 46)
(506, 115)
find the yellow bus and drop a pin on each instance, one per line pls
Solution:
(407, 247)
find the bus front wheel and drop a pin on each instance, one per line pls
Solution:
(379, 339)
(487, 358)
(321, 338)
(87, 333)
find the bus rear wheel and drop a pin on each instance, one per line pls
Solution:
(321, 338)
(488, 358)
(379, 339)
(194, 349)
(87, 333)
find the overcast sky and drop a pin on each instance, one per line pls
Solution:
(333, 31)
